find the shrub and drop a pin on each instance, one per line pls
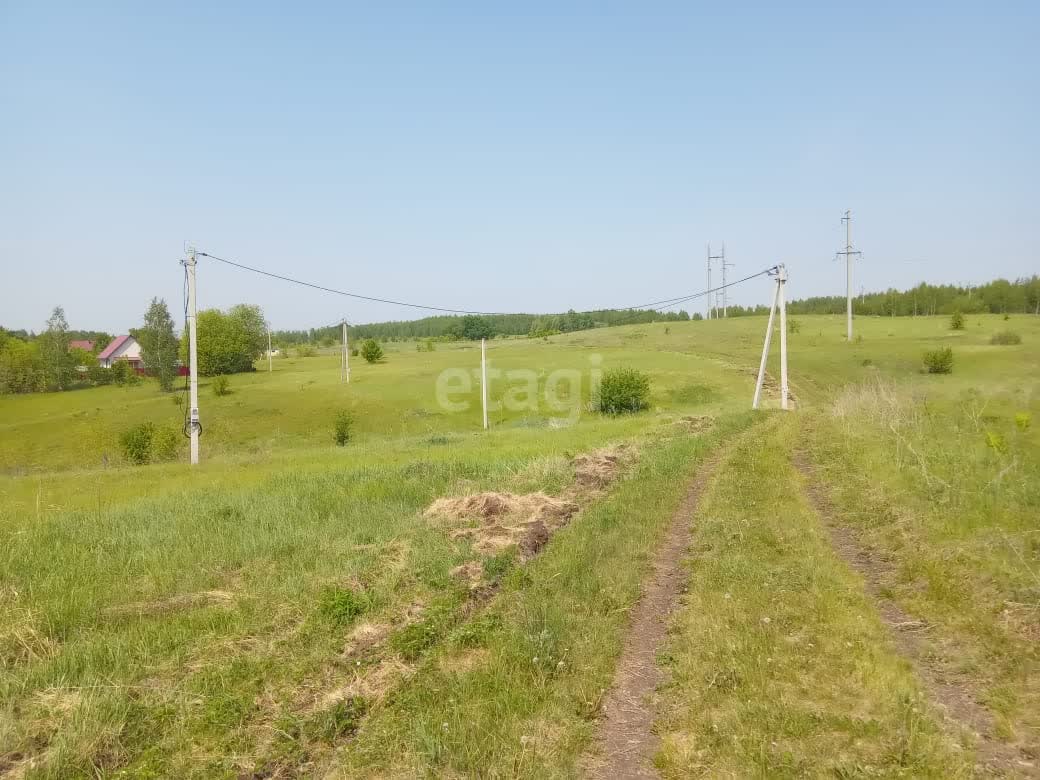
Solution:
(353, 351)
(99, 376)
(1006, 337)
(1023, 420)
(120, 372)
(306, 350)
(424, 345)
(136, 443)
(165, 443)
(221, 385)
(939, 361)
(957, 321)
(342, 428)
(793, 325)
(371, 351)
(623, 390)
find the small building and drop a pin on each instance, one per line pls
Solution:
(122, 348)
(83, 344)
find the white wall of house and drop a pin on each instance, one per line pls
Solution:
(128, 350)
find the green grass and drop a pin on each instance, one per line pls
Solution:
(788, 664)
(169, 621)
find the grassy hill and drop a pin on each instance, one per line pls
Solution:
(290, 608)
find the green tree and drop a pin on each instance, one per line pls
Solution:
(228, 343)
(22, 368)
(371, 351)
(957, 321)
(475, 328)
(54, 348)
(159, 344)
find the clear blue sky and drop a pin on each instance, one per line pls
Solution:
(527, 156)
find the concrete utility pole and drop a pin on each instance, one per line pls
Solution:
(344, 360)
(847, 219)
(722, 259)
(270, 368)
(194, 425)
(483, 379)
(779, 302)
(709, 296)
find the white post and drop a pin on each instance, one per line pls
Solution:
(483, 379)
(269, 366)
(848, 273)
(781, 285)
(765, 349)
(346, 349)
(193, 360)
(708, 296)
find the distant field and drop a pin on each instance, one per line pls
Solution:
(287, 609)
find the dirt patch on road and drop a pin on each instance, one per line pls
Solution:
(955, 696)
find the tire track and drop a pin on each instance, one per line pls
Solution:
(958, 700)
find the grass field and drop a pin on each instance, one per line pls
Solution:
(287, 608)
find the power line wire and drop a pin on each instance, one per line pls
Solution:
(668, 302)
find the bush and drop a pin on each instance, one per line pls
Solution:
(353, 351)
(793, 326)
(957, 321)
(221, 385)
(939, 361)
(371, 351)
(98, 375)
(146, 443)
(165, 443)
(136, 443)
(121, 372)
(306, 350)
(1006, 337)
(343, 427)
(623, 390)
(424, 345)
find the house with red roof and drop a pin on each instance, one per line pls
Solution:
(122, 348)
(83, 344)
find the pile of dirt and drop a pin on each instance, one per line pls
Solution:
(599, 468)
(503, 520)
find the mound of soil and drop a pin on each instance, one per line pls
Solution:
(598, 469)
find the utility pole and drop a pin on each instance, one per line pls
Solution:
(725, 289)
(344, 362)
(847, 219)
(483, 379)
(194, 426)
(722, 259)
(270, 368)
(709, 296)
(779, 302)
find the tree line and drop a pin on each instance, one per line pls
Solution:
(1000, 296)
(229, 342)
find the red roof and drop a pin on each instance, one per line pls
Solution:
(82, 344)
(117, 342)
